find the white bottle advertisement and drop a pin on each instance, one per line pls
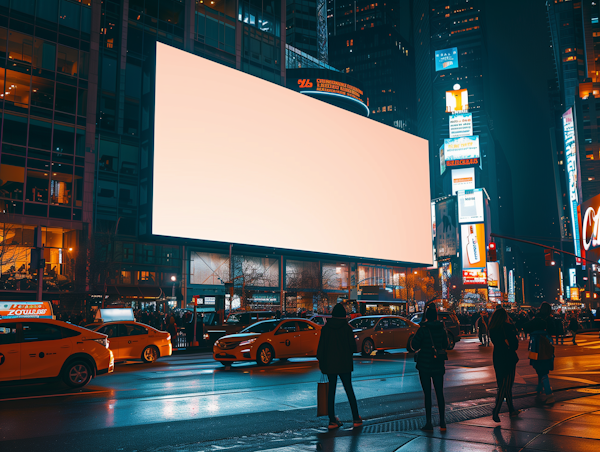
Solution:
(473, 247)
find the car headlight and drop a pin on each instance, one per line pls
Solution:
(248, 342)
(356, 336)
(216, 344)
(103, 341)
(206, 336)
(168, 337)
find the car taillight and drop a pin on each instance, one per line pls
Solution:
(103, 341)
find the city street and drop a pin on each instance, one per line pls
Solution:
(189, 398)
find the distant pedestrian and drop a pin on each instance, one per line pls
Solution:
(541, 351)
(335, 354)
(504, 337)
(431, 343)
(482, 327)
(172, 330)
(574, 327)
(559, 329)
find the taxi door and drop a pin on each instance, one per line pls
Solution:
(117, 341)
(10, 353)
(285, 340)
(308, 338)
(137, 339)
(43, 350)
(383, 336)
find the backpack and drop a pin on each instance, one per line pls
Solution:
(545, 349)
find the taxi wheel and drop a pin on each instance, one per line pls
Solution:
(77, 374)
(264, 355)
(150, 354)
(409, 348)
(367, 347)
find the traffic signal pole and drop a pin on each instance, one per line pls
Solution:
(496, 236)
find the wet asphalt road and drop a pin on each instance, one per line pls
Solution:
(190, 398)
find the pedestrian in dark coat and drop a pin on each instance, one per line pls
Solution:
(541, 329)
(336, 347)
(504, 337)
(430, 337)
(573, 327)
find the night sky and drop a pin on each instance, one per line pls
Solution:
(521, 63)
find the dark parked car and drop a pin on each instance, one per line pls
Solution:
(382, 332)
(236, 321)
(451, 324)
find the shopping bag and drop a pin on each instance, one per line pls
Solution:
(322, 393)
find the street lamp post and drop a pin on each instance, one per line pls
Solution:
(174, 279)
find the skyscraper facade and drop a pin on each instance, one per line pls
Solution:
(365, 41)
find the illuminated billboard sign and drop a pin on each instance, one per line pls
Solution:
(471, 206)
(446, 59)
(589, 213)
(572, 161)
(473, 246)
(433, 234)
(511, 286)
(31, 309)
(461, 125)
(442, 160)
(474, 277)
(445, 273)
(446, 232)
(241, 177)
(457, 101)
(326, 86)
(463, 179)
(463, 151)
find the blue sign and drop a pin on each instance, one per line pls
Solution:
(446, 59)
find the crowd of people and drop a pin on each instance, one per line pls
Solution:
(544, 328)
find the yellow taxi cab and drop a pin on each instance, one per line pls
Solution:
(134, 340)
(268, 340)
(33, 348)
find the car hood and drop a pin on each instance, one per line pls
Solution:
(239, 336)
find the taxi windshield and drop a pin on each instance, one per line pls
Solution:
(262, 327)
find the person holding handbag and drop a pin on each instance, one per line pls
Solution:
(431, 343)
(504, 337)
(335, 354)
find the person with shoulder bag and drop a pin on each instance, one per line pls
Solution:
(431, 343)
(541, 351)
(335, 354)
(504, 337)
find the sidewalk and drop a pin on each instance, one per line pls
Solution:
(571, 424)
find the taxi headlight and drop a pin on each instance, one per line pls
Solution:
(356, 336)
(103, 341)
(248, 342)
(168, 337)
(206, 336)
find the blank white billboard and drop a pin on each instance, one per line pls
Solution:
(241, 160)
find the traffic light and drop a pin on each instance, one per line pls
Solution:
(549, 257)
(492, 252)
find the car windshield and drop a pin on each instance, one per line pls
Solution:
(234, 319)
(262, 327)
(363, 323)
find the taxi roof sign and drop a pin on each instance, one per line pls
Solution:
(26, 309)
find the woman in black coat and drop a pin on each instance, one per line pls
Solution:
(573, 327)
(504, 337)
(336, 347)
(430, 337)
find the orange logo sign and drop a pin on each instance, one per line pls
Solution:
(305, 83)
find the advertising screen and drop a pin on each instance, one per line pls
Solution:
(446, 59)
(463, 151)
(463, 179)
(446, 232)
(445, 274)
(470, 206)
(236, 161)
(590, 229)
(461, 125)
(34, 309)
(574, 184)
(433, 233)
(473, 250)
(442, 160)
(474, 277)
(511, 286)
(457, 101)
